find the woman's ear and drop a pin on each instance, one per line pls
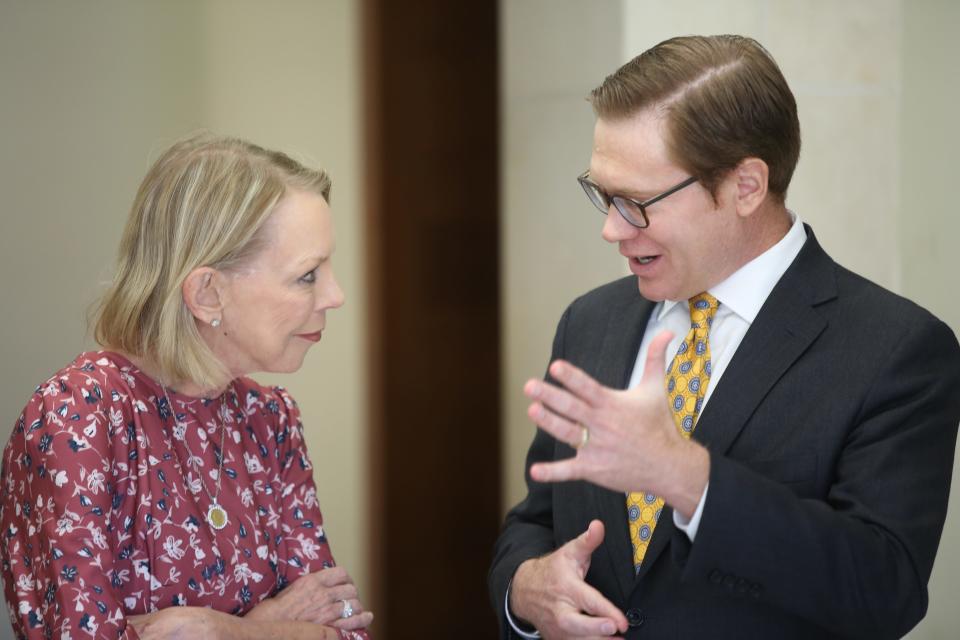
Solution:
(202, 293)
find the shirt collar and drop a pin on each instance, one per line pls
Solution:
(745, 291)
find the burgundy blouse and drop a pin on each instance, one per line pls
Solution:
(102, 516)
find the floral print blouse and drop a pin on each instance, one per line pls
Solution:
(103, 514)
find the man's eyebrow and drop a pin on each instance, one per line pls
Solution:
(636, 194)
(628, 192)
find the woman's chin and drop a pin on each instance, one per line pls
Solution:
(288, 361)
(290, 364)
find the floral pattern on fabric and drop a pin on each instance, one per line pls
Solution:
(102, 515)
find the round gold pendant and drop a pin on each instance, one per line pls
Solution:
(217, 516)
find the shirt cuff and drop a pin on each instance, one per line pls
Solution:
(690, 526)
(513, 623)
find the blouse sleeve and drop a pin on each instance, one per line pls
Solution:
(55, 510)
(307, 549)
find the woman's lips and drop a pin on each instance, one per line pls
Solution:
(312, 337)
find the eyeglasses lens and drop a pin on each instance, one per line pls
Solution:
(597, 197)
(630, 210)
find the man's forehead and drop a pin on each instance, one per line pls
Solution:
(625, 150)
(644, 129)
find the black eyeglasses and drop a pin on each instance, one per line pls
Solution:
(633, 211)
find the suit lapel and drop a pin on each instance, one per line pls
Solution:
(614, 366)
(785, 327)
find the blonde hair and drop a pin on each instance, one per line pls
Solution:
(204, 202)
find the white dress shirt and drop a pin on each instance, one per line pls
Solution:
(741, 296)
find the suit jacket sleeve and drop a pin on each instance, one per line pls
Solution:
(528, 529)
(857, 563)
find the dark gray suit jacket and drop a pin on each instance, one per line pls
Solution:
(831, 435)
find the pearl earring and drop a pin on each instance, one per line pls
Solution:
(215, 323)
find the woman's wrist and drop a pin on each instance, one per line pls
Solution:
(219, 625)
(262, 611)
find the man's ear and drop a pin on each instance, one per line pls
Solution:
(202, 293)
(751, 177)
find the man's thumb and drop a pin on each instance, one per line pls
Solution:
(656, 356)
(588, 541)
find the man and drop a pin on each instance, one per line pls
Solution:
(756, 444)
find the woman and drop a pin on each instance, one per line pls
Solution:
(151, 490)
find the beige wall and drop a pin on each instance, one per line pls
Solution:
(551, 249)
(874, 80)
(91, 92)
(929, 229)
(929, 224)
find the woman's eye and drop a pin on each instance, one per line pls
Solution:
(309, 277)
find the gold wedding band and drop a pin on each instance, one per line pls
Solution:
(584, 437)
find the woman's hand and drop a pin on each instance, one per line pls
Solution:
(178, 623)
(318, 598)
(190, 623)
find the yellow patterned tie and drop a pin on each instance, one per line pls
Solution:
(686, 381)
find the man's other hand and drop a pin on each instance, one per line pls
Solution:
(550, 592)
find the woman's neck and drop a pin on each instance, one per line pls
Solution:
(183, 387)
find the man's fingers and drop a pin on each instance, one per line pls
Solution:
(562, 471)
(588, 598)
(597, 616)
(578, 382)
(593, 603)
(559, 400)
(586, 626)
(560, 428)
(656, 356)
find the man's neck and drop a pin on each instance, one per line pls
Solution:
(765, 228)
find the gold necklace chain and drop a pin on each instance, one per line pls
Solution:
(216, 514)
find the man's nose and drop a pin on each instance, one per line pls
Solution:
(615, 228)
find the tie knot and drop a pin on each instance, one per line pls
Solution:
(702, 309)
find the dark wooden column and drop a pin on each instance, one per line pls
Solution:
(432, 201)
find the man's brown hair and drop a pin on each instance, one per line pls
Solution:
(724, 99)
